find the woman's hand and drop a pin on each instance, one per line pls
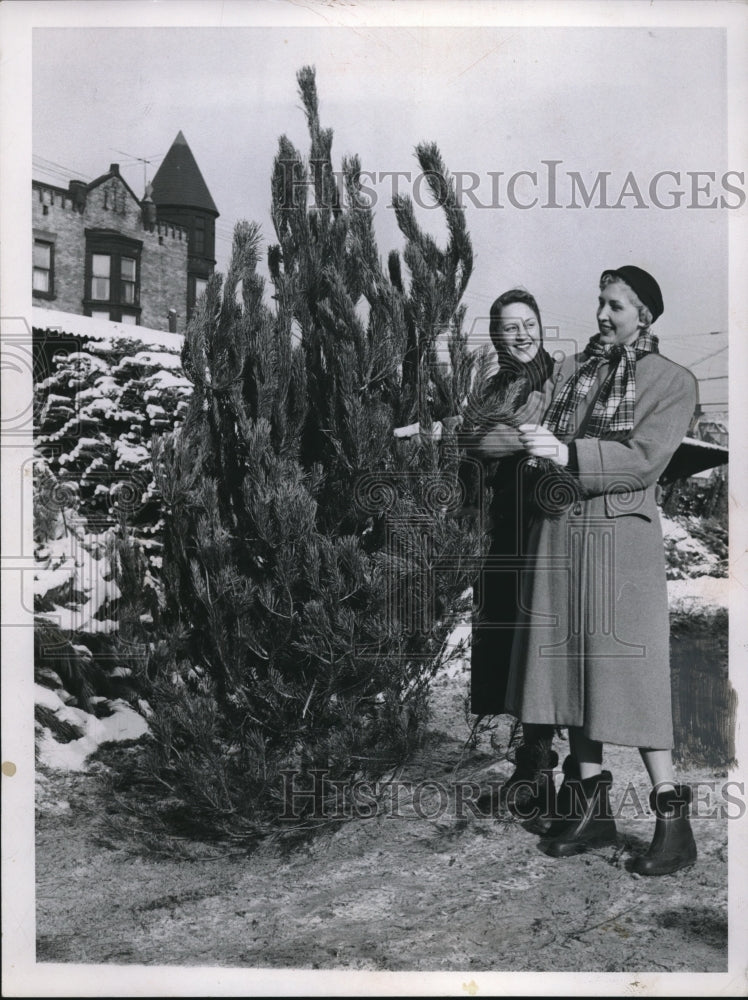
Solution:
(539, 441)
(410, 431)
(414, 434)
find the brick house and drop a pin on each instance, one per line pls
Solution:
(100, 251)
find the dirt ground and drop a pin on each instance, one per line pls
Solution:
(435, 891)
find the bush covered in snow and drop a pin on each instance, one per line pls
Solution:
(694, 546)
(99, 401)
(75, 608)
(99, 404)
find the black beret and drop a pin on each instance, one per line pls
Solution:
(643, 284)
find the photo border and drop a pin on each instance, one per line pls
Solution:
(22, 975)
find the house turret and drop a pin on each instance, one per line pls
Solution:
(181, 197)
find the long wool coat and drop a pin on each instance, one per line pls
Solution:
(591, 647)
(495, 589)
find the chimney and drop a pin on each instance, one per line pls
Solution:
(172, 321)
(114, 169)
(78, 191)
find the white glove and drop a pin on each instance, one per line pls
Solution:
(411, 430)
(542, 443)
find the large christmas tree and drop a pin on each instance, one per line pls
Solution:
(313, 566)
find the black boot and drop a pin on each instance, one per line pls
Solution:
(585, 818)
(567, 796)
(529, 793)
(673, 846)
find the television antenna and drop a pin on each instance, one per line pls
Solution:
(145, 160)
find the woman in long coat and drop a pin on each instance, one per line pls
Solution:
(525, 370)
(519, 391)
(591, 649)
(523, 386)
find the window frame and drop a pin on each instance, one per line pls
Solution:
(116, 246)
(199, 235)
(47, 240)
(192, 296)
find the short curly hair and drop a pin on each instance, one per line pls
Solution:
(645, 315)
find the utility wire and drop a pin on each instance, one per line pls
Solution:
(708, 356)
(43, 160)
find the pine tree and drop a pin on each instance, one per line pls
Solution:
(312, 567)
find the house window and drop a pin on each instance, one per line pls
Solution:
(198, 246)
(112, 276)
(196, 286)
(101, 283)
(43, 269)
(128, 279)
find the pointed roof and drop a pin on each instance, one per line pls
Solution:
(178, 180)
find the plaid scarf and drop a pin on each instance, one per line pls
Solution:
(613, 411)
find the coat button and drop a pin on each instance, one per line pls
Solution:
(577, 508)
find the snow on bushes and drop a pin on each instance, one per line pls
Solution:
(101, 400)
(100, 397)
(694, 547)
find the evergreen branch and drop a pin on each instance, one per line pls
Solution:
(309, 698)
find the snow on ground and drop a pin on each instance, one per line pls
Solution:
(123, 724)
(698, 593)
(457, 662)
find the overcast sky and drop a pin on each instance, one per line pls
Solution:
(494, 100)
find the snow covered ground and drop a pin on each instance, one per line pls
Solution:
(123, 724)
(702, 593)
